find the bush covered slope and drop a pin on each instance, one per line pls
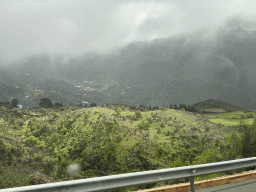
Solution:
(114, 139)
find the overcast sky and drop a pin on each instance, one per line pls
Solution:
(76, 26)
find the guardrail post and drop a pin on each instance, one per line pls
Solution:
(192, 184)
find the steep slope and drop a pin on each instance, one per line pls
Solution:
(188, 68)
(10, 85)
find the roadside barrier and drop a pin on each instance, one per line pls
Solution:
(138, 178)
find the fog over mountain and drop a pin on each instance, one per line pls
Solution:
(154, 52)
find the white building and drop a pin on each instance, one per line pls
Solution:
(20, 106)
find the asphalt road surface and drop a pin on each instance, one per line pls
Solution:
(240, 186)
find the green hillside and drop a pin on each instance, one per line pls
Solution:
(115, 139)
(215, 106)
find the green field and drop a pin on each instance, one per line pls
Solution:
(231, 118)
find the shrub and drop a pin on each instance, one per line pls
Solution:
(18, 112)
(250, 115)
(34, 180)
(56, 115)
(118, 111)
(38, 157)
(43, 130)
(159, 130)
(162, 125)
(150, 120)
(78, 176)
(138, 114)
(208, 156)
(163, 109)
(110, 126)
(143, 125)
(115, 121)
(11, 120)
(156, 137)
(119, 138)
(19, 121)
(31, 141)
(2, 108)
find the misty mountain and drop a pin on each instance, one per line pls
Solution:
(184, 69)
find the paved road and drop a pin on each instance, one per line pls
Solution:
(237, 182)
(240, 186)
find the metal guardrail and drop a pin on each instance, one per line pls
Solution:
(138, 178)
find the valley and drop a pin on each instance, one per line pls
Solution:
(91, 89)
(183, 68)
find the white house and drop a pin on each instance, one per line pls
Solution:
(20, 106)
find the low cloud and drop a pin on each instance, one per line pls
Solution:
(74, 27)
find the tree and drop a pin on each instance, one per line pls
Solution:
(191, 108)
(183, 106)
(92, 105)
(45, 102)
(57, 104)
(118, 111)
(138, 115)
(14, 102)
(248, 141)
